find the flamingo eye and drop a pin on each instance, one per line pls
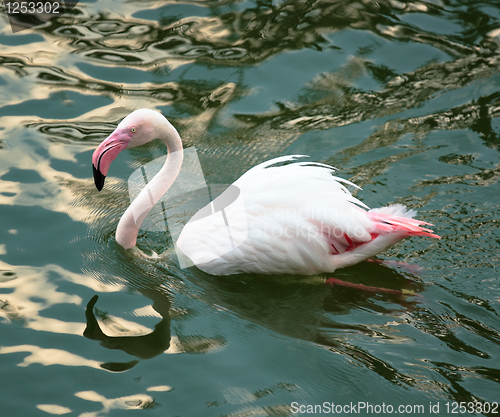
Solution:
(133, 130)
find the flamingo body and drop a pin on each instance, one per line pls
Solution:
(289, 218)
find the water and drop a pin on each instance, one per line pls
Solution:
(402, 96)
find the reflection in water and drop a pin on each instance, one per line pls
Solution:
(436, 344)
(131, 402)
(241, 396)
(239, 37)
(304, 309)
(54, 409)
(18, 304)
(320, 314)
(329, 100)
(144, 346)
(48, 357)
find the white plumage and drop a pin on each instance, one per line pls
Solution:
(296, 218)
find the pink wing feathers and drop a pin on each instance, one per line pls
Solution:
(382, 223)
(398, 224)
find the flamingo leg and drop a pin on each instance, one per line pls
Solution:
(337, 282)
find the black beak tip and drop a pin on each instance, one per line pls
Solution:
(98, 178)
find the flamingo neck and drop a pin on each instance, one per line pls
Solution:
(130, 223)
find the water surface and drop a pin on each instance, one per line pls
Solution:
(402, 96)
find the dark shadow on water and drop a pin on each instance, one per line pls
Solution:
(144, 346)
(302, 308)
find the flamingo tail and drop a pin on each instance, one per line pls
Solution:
(386, 222)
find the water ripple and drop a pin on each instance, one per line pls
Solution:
(243, 82)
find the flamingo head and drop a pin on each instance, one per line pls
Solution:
(138, 128)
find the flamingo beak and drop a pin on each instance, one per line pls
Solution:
(98, 178)
(105, 153)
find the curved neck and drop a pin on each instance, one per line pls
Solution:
(130, 223)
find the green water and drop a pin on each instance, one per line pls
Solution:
(402, 96)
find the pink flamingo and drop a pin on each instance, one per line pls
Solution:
(293, 217)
